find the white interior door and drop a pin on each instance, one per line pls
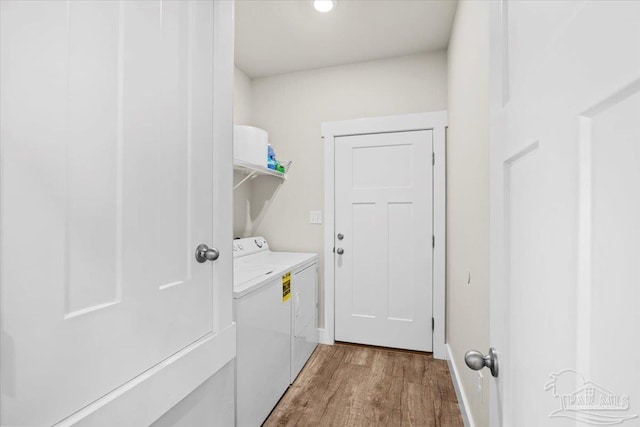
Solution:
(565, 150)
(107, 172)
(383, 261)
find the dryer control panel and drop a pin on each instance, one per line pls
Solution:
(249, 246)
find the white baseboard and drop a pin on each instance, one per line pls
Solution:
(463, 402)
(324, 338)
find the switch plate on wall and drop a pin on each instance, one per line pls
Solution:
(315, 217)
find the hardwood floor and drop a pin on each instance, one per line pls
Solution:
(354, 385)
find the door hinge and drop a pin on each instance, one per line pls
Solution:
(433, 241)
(433, 324)
(433, 158)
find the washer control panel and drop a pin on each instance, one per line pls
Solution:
(249, 245)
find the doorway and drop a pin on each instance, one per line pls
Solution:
(384, 232)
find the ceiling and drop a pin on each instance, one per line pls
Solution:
(281, 36)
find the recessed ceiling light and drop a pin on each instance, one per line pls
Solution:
(324, 5)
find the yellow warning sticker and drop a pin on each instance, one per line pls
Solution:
(286, 287)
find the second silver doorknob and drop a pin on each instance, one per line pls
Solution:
(476, 360)
(205, 253)
(340, 251)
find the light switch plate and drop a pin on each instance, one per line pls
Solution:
(315, 217)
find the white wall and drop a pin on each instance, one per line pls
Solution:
(291, 107)
(242, 115)
(242, 111)
(468, 197)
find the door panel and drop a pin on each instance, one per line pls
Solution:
(564, 177)
(93, 211)
(384, 210)
(524, 194)
(363, 275)
(106, 192)
(615, 245)
(401, 260)
(370, 162)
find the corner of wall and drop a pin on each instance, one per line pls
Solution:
(468, 203)
(242, 115)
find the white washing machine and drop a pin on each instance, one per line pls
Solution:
(275, 308)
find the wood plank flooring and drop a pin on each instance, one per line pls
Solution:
(354, 385)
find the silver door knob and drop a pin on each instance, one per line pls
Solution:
(205, 253)
(476, 360)
(340, 251)
(340, 236)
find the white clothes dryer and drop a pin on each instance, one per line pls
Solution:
(275, 308)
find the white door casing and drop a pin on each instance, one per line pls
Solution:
(110, 179)
(388, 311)
(564, 151)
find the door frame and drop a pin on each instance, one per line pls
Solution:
(434, 121)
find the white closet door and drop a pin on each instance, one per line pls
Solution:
(107, 166)
(565, 149)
